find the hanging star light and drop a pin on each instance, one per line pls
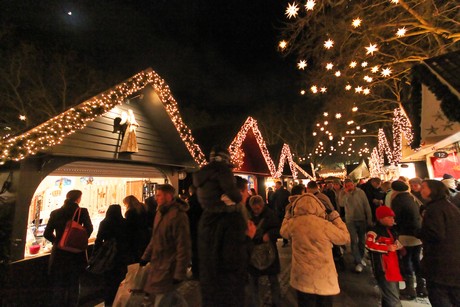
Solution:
(348, 87)
(292, 10)
(367, 78)
(386, 72)
(364, 64)
(22, 117)
(358, 89)
(366, 91)
(310, 5)
(401, 32)
(314, 133)
(323, 90)
(314, 89)
(338, 115)
(325, 114)
(356, 22)
(394, 1)
(329, 66)
(302, 64)
(338, 73)
(371, 49)
(282, 44)
(353, 64)
(354, 109)
(328, 44)
(375, 69)
(302, 92)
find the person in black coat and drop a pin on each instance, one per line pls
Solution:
(279, 202)
(268, 226)
(223, 239)
(441, 245)
(66, 267)
(137, 227)
(113, 226)
(375, 194)
(194, 215)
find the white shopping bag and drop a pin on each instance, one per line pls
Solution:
(131, 289)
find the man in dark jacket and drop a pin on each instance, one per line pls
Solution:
(279, 203)
(223, 249)
(374, 193)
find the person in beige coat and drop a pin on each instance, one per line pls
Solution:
(169, 250)
(313, 232)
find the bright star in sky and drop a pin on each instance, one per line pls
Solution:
(292, 10)
(310, 5)
(328, 44)
(401, 32)
(356, 22)
(302, 64)
(371, 49)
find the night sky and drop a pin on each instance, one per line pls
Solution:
(219, 56)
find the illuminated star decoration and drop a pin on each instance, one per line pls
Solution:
(338, 73)
(310, 5)
(348, 87)
(401, 32)
(353, 64)
(356, 22)
(386, 72)
(394, 1)
(282, 44)
(323, 90)
(314, 89)
(302, 64)
(432, 130)
(22, 117)
(366, 91)
(338, 115)
(364, 64)
(371, 49)
(292, 10)
(329, 66)
(328, 44)
(69, 13)
(375, 69)
(358, 89)
(302, 92)
(354, 109)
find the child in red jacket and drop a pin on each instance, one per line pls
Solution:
(382, 243)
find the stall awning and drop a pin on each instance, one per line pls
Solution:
(100, 169)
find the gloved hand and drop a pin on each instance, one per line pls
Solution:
(333, 215)
(176, 281)
(143, 262)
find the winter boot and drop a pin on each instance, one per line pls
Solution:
(421, 287)
(408, 293)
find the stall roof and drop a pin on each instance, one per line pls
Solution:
(92, 118)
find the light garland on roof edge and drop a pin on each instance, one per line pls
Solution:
(53, 131)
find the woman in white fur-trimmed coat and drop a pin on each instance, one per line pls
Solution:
(313, 232)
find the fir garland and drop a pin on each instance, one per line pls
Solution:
(450, 104)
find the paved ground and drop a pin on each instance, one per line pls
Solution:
(356, 289)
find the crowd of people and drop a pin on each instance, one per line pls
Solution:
(227, 235)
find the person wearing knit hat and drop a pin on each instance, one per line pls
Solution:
(447, 176)
(399, 186)
(382, 244)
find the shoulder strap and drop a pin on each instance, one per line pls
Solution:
(75, 213)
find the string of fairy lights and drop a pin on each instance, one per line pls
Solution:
(237, 154)
(53, 131)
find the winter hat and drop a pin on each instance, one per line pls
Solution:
(449, 183)
(219, 154)
(399, 186)
(447, 176)
(383, 211)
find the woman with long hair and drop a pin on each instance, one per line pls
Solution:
(113, 227)
(137, 227)
(66, 267)
(441, 245)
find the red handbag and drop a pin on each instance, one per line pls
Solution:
(75, 238)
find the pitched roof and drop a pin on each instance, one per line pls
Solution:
(56, 129)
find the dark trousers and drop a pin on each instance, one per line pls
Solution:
(66, 289)
(443, 296)
(274, 288)
(410, 263)
(389, 291)
(313, 300)
(112, 280)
